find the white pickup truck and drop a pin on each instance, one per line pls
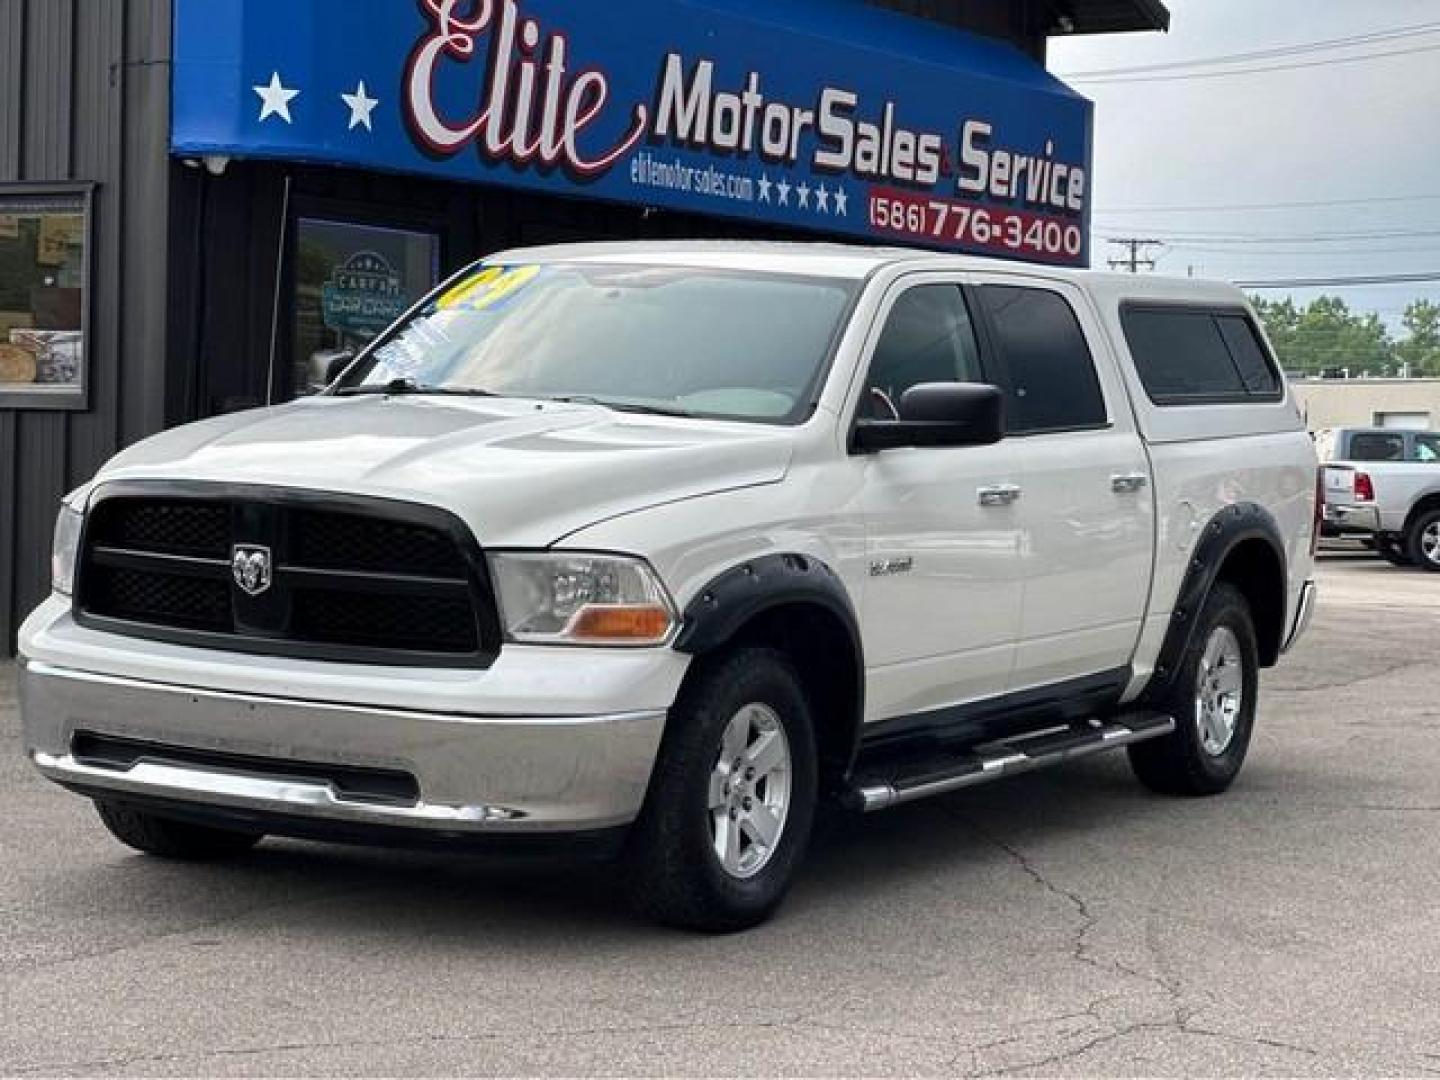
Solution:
(646, 549)
(1383, 486)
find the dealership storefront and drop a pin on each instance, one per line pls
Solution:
(197, 197)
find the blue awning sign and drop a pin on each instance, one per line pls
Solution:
(821, 114)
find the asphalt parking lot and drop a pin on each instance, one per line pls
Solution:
(1066, 922)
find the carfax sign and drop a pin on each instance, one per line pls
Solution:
(820, 114)
(364, 296)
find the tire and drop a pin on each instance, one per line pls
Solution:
(1197, 758)
(1394, 552)
(1422, 541)
(676, 873)
(171, 839)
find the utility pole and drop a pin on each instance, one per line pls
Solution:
(1138, 258)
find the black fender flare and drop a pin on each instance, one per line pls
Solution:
(1227, 530)
(735, 597)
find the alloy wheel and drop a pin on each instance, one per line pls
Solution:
(1219, 691)
(749, 798)
(1430, 543)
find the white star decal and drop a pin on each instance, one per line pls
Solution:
(841, 201)
(275, 99)
(361, 106)
(765, 186)
(784, 189)
(822, 200)
(804, 192)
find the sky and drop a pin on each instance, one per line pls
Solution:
(1367, 131)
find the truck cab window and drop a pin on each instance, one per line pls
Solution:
(1377, 447)
(1047, 372)
(928, 337)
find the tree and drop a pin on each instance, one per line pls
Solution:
(1280, 318)
(1327, 336)
(1420, 351)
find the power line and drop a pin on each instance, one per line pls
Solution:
(1179, 235)
(1291, 253)
(1299, 205)
(1417, 30)
(1333, 62)
(1320, 282)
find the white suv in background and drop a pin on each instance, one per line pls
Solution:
(648, 548)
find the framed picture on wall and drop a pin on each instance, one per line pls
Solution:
(45, 259)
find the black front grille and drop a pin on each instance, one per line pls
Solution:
(347, 618)
(191, 528)
(347, 541)
(354, 579)
(162, 599)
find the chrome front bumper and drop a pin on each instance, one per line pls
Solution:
(475, 774)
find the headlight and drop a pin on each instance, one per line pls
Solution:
(578, 599)
(65, 549)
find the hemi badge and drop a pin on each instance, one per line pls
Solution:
(886, 567)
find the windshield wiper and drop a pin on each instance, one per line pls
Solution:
(408, 386)
(624, 406)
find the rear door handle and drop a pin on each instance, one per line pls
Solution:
(998, 494)
(1128, 483)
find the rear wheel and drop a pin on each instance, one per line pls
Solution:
(1392, 551)
(1423, 541)
(1213, 701)
(732, 798)
(171, 839)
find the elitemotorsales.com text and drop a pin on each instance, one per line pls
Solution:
(690, 112)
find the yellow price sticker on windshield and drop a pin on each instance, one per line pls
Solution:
(488, 287)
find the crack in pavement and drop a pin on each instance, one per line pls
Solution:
(96, 1064)
(1178, 1025)
(1181, 1020)
(1313, 686)
(209, 924)
(1075, 1052)
(1080, 951)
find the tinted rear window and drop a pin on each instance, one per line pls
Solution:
(1189, 356)
(1373, 446)
(1249, 356)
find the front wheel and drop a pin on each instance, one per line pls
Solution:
(1213, 702)
(1423, 541)
(171, 839)
(732, 798)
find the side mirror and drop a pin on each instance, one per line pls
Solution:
(327, 365)
(938, 414)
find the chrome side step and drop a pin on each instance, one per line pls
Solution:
(1006, 757)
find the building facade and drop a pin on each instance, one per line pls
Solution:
(199, 199)
(1388, 403)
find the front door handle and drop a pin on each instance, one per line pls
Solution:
(998, 494)
(1128, 483)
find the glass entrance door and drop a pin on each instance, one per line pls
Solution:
(352, 281)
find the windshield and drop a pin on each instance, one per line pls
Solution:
(690, 341)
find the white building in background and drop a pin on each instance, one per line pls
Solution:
(1393, 403)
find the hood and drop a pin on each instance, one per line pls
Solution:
(520, 473)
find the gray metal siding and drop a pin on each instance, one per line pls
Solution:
(84, 97)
